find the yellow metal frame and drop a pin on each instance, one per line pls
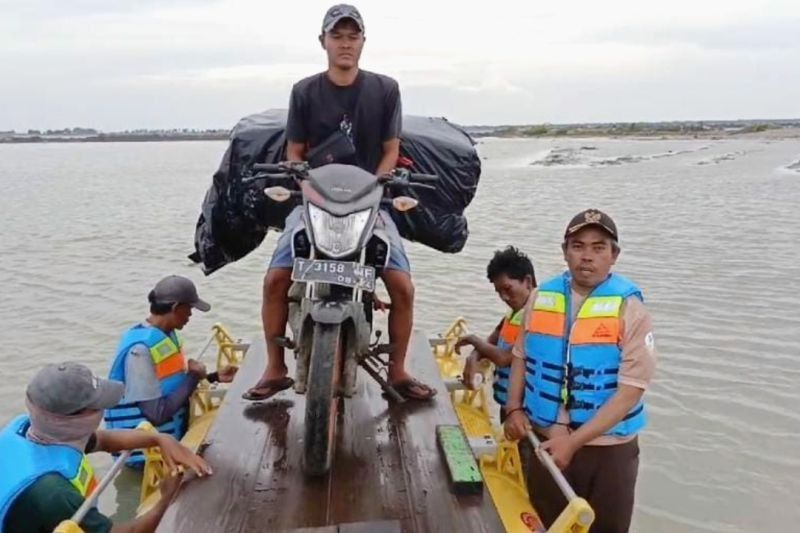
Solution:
(503, 472)
(229, 353)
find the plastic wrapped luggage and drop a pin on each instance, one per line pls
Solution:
(236, 215)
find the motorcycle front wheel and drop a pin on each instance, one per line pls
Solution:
(322, 399)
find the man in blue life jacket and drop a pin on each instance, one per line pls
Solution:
(45, 472)
(511, 273)
(580, 369)
(150, 362)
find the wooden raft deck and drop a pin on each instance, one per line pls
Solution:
(387, 466)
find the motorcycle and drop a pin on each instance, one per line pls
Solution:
(340, 249)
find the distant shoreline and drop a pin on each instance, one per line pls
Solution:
(782, 133)
(113, 138)
(630, 132)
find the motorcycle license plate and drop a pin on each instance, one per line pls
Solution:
(347, 274)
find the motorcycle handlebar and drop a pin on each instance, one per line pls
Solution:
(409, 185)
(269, 167)
(421, 186)
(298, 169)
(423, 178)
(280, 176)
(405, 176)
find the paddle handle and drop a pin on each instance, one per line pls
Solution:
(551, 467)
(89, 502)
(205, 348)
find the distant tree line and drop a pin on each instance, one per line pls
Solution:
(65, 131)
(633, 128)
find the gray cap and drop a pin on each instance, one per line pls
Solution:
(177, 290)
(339, 12)
(67, 388)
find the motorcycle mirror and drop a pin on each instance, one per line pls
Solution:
(404, 203)
(279, 194)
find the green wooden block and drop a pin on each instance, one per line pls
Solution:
(462, 469)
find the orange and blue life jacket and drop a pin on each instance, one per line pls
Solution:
(509, 330)
(576, 364)
(166, 352)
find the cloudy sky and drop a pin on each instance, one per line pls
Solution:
(119, 64)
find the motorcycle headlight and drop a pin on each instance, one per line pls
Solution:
(337, 236)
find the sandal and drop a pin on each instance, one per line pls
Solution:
(271, 386)
(413, 389)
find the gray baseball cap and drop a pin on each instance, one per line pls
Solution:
(178, 290)
(339, 12)
(67, 388)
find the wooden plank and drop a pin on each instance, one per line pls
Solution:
(237, 442)
(435, 507)
(382, 526)
(387, 466)
(284, 499)
(368, 471)
(366, 480)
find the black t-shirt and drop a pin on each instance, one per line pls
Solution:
(369, 110)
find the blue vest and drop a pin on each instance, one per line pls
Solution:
(23, 462)
(506, 338)
(168, 360)
(577, 363)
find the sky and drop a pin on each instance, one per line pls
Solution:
(116, 65)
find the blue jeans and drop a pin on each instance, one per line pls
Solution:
(282, 257)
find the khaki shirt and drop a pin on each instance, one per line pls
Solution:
(638, 355)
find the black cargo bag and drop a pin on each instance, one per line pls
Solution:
(236, 214)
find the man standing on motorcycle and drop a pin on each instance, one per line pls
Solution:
(351, 116)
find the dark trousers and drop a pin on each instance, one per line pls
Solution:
(603, 475)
